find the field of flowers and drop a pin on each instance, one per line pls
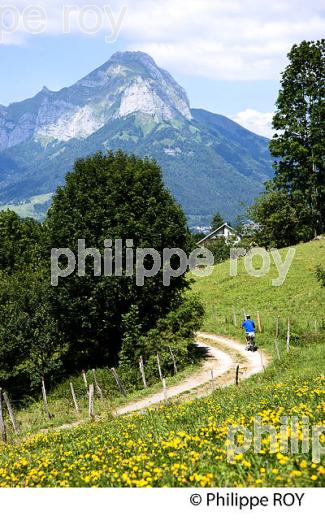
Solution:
(178, 445)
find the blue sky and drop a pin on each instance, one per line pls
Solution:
(228, 54)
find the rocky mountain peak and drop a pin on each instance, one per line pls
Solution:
(128, 83)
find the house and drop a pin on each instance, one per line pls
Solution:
(225, 231)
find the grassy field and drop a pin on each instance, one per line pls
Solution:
(300, 298)
(185, 444)
(31, 207)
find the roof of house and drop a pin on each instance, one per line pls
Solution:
(212, 233)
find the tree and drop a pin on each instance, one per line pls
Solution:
(283, 220)
(216, 221)
(30, 343)
(113, 196)
(131, 339)
(175, 330)
(20, 242)
(220, 248)
(298, 144)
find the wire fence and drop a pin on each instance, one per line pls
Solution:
(92, 392)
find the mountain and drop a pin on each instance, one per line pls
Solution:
(209, 162)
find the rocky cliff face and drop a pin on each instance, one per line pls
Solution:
(128, 83)
(209, 162)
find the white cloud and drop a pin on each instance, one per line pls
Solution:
(258, 122)
(219, 39)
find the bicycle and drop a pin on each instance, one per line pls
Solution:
(250, 340)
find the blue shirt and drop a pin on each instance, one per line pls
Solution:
(248, 325)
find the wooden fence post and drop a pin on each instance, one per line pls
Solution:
(174, 359)
(142, 372)
(91, 402)
(277, 327)
(2, 423)
(288, 336)
(277, 349)
(159, 367)
(118, 382)
(98, 388)
(212, 381)
(46, 406)
(84, 377)
(259, 325)
(237, 375)
(75, 402)
(165, 389)
(11, 413)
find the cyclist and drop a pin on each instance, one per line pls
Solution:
(249, 326)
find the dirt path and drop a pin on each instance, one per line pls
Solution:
(220, 361)
(256, 361)
(223, 355)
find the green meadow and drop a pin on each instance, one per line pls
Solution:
(300, 298)
(187, 443)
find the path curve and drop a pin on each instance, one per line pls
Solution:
(218, 360)
(257, 361)
(223, 363)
